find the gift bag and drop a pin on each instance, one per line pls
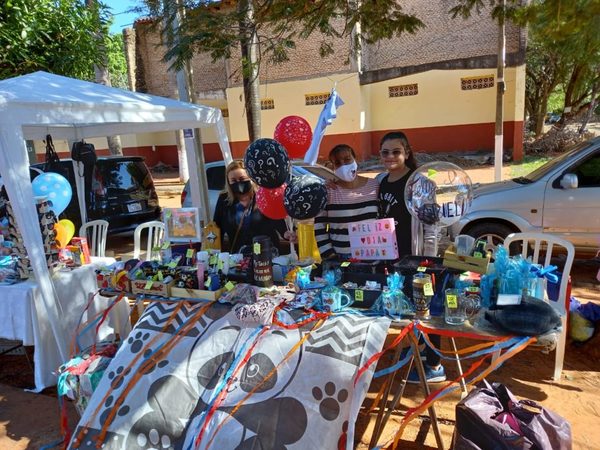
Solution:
(492, 417)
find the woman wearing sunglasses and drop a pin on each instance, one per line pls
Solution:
(399, 160)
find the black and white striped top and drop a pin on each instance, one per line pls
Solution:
(343, 207)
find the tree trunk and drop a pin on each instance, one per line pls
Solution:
(250, 75)
(590, 112)
(103, 77)
(569, 93)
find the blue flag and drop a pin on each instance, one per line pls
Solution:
(326, 117)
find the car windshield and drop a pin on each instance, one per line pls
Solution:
(550, 165)
(317, 171)
(124, 176)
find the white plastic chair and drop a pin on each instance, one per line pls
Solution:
(156, 230)
(95, 231)
(549, 243)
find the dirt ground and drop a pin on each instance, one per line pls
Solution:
(30, 421)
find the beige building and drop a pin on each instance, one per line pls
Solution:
(438, 86)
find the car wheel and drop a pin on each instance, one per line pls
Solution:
(492, 233)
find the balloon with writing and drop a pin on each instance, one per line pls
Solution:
(295, 134)
(270, 202)
(267, 163)
(438, 193)
(305, 197)
(55, 187)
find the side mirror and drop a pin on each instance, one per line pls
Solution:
(569, 181)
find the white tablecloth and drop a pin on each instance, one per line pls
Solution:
(23, 318)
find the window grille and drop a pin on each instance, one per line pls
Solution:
(403, 90)
(267, 103)
(482, 82)
(319, 98)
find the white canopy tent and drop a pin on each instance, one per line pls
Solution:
(34, 105)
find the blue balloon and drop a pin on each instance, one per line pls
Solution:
(55, 187)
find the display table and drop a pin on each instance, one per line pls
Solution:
(496, 346)
(229, 382)
(22, 317)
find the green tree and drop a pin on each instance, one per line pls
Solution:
(54, 36)
(267, 30)
(563, 52)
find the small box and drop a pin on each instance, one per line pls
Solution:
(363, 298)
(196, 293)
(465, 263)
(82, 243)
(157, 288)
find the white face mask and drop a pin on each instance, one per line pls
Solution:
(347, 172)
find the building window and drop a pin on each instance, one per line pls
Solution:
(267, 103)
(403, 90)
(483, 82)
(225, 112)
(316, 99)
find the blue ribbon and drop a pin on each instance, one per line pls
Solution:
(545, 272)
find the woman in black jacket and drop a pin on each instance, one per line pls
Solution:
(237, 215)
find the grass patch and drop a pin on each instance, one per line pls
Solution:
(527, 165)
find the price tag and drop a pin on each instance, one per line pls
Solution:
(207, 283)
(220, 264)
(451, 301)
(212, 260)
(256, 248)
(477, 255)
(149, 284)
(229, 285)
(166, 245)
(189, 253)
(172, 264)
(160, 275)
(421, 269)
(428, 289)
(345, 264)
(472, 289)
(358, 295)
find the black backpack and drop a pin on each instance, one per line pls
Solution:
(84, 152)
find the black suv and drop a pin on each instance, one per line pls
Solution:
(121, 192)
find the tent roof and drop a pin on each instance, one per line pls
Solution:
(67, 108)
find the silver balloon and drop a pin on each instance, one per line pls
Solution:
(438, 193)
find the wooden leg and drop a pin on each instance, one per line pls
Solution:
(381, 421)
(421, 370)
(463, 384)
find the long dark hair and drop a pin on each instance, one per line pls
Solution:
(410, 160)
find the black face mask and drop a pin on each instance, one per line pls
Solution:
(241, 187)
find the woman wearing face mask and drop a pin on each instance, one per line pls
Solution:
(236, 213)
(352, 199)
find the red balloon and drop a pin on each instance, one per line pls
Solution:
(295, 134)
(270, 202)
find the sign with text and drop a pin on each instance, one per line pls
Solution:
(373, 239)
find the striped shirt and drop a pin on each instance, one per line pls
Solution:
(343, 207)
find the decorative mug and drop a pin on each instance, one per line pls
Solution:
(334, 300)
(459, 306)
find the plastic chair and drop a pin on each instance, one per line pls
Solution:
(95, 231)
(548, 243)
(156, 230)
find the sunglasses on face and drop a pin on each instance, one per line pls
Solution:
(394, 153)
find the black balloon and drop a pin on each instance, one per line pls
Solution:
(305, 197)
(267, 163)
